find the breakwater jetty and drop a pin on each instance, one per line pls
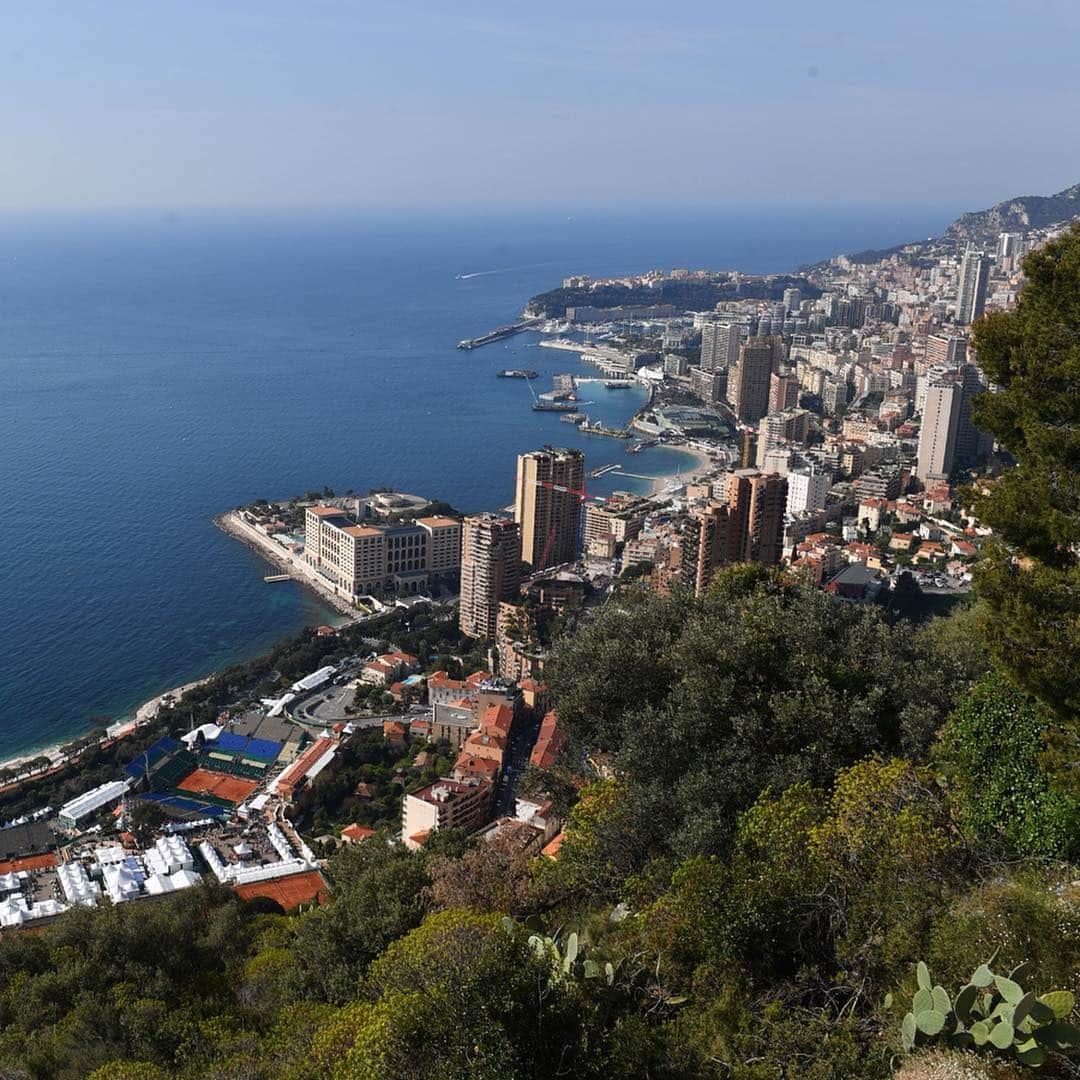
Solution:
(499, 333)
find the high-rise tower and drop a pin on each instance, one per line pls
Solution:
(547, 505)
(748, 391)
(490, 571)
(720, 345)
(971, 287)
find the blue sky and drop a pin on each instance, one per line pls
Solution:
(260, 103)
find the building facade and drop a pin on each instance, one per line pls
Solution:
(446, 804)
(807, 491)
(937, 436)
(755, 502)
(971, 287)
(490, 571)
(720, 345)
(364, 560)
(547, 505)
(748, 390)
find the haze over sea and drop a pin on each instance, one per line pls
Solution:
(157, 370)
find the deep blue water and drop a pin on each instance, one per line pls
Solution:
(155, 371)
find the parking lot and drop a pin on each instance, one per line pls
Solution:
(327, 706)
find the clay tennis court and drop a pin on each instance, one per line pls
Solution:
(287, 891)
(233, 789)
(30, 862)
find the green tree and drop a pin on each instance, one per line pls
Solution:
(991, 749)
(763, 684)
(461, 996)
(1030, 577)
(378, 897)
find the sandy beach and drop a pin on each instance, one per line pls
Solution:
(703, 464)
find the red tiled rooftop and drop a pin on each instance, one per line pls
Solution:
(551, 850)
(498, 718)
(357, 832)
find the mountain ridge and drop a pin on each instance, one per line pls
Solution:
(1018, 213)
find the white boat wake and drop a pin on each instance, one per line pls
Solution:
(502, 270)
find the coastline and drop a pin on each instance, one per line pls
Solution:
(668, 485)
(233, 525)
(146, 712)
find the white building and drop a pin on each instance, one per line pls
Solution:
(76, 885)
(806, 491)
(90, 801)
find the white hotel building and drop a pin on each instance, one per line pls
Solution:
(360, 560)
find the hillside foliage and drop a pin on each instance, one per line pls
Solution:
(782, 812)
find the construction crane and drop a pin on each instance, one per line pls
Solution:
(581, 495)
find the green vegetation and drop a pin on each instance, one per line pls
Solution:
(782, 836)
(361, 788)
(991, 1013)
(1031, 577)
(685, 295)
(782, 813)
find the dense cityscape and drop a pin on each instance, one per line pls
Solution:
(447, 717)
(543, 541)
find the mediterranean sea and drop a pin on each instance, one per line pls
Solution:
(156, 370)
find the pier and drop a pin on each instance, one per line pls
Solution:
(498, 334)
(595, 474)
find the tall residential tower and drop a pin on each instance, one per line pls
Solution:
(490, 570)
(971, 287)
(547, 505)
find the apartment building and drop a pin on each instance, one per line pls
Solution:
(446, 804)
(547, 505)
(490, 571)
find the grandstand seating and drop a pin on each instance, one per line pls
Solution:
(172, 771)
(240, 746)
(149, 759)
(232, 767)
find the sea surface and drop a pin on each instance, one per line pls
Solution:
(156, 370)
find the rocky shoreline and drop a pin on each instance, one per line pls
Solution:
(233, 525)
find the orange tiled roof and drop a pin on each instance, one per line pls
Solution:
(357, 832)
(551, 850)
(498, 718)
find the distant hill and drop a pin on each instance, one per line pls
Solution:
(689, 295)
(981, 227)
(1023, 212)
